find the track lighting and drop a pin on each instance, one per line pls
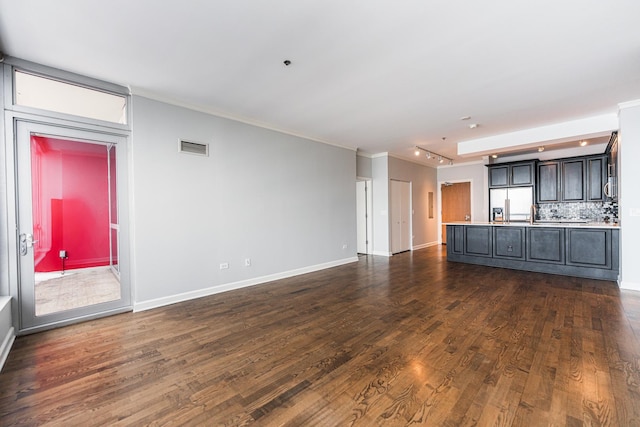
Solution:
(431, 155)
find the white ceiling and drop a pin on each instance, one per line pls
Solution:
(381, 76)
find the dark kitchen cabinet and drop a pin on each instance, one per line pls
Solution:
(573, 250)
(512, 175)
(589, 247)
(509, 242)
(572, 180)
(455, 239)
(575, 179)
(498, 176)
(478, 241)
(596, 178)
(548, 182)
(546, 245)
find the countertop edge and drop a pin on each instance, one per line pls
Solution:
(537, 224)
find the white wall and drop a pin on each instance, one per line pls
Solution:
(284, 202)
(423, 181)
(629, 196)
(363, 166)
(7, 334)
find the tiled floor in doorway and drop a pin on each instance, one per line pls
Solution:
(75, 288)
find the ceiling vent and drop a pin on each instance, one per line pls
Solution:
(197, 148)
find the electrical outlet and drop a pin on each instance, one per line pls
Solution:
(224, 265)
(247, 262)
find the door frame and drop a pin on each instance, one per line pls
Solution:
(439, 202)
(369, 212)
(12, 219)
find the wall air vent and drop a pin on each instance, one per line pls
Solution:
(197, 148)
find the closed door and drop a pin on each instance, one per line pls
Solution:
(363, 216)
(400, 216)
(456, 204)
(68, 242)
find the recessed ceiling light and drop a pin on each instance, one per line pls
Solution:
(473, 125)
(417, 152)
(465, 117)
(540, 149)
(494, 156)
(583, 143)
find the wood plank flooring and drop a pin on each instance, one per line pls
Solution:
(410, 340)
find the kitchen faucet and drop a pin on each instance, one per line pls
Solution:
(533, 211)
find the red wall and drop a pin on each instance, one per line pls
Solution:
(70, 203)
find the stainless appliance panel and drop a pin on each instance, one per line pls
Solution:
(515, 203)
(520, 201)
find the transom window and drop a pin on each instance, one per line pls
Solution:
(48, 94)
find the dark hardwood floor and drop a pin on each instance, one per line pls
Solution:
(400, 341)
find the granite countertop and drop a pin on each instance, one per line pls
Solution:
(565, 224)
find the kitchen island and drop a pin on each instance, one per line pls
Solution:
(573, 249)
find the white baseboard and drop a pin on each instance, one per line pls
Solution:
(425, 245)
(5, 325)
(172, 299)
(7, 342)
(631, 286)
(381, 253)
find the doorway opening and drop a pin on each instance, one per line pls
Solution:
(456, 204)
(74, 214)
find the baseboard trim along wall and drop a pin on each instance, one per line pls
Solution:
(630, 286)
(380, 253)
(426, 245)
(5, 324)
(159, 302)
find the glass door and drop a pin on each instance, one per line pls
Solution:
(68, 228)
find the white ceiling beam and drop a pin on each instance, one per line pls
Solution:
(551, 134)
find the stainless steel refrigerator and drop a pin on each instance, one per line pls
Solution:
(510, 204)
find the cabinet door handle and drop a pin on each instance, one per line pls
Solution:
(606, 189)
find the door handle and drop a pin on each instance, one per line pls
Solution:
(26, 242)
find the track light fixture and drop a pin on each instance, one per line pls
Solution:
(432, 155)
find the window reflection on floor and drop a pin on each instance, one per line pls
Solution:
(56, 291)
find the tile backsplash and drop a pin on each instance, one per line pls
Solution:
(593, 211)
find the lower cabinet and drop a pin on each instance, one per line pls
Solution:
(478, 241)
(571, 251)
(455, 238)
(545, 245)
(589, 248)
(509, 242)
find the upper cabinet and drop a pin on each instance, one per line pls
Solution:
(576, 179)
(611, 189)
(512, 175)
(572, 180)
(548, 185)
(596, 178)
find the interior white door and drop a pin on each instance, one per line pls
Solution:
(361, 216)
(44, 156)
(400, 216)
